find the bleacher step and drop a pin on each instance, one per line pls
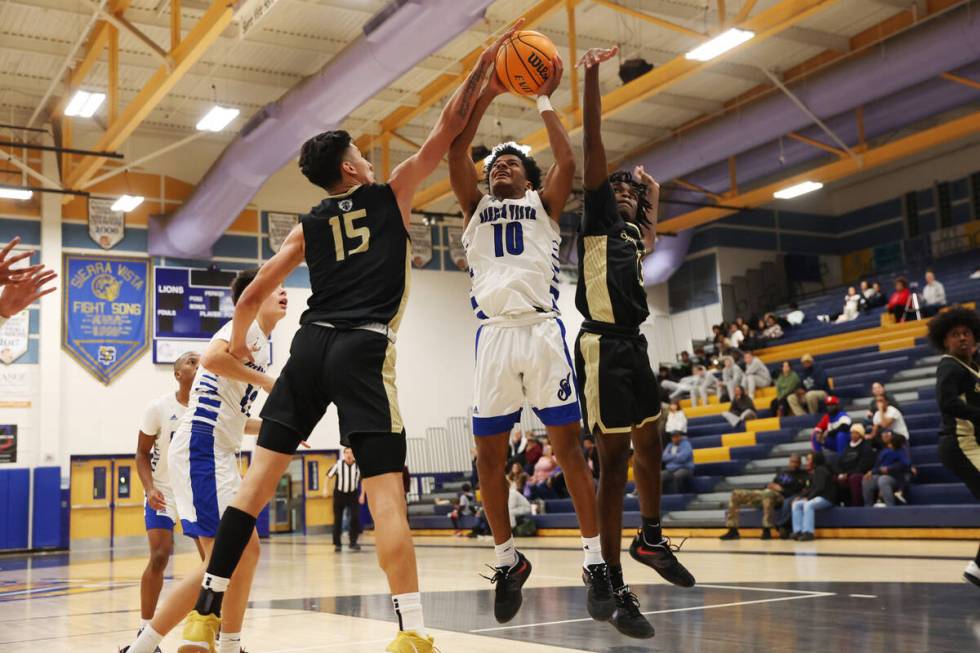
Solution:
(915, 373)
(770, 465)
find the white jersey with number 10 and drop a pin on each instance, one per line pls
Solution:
(512, 251)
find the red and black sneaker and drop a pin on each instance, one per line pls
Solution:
(660, 557)
(509, 582)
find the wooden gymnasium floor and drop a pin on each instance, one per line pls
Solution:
(829, 595)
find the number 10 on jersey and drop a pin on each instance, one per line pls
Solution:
(509, 236)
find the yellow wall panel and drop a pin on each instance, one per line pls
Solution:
(247, 220)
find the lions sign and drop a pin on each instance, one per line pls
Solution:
(105, 306)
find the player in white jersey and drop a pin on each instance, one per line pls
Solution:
(204, 468)
(160, 507)
(512, 240)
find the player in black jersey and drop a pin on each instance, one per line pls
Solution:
(955, 333)
(356, 245)
(619, 391)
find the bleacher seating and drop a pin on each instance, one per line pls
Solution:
(854, 355)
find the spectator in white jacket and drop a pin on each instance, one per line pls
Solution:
(732, 376)
(933, 295)
(735, 336)
(518, 504)
(676, 420)
(705, 383)
(756, 375)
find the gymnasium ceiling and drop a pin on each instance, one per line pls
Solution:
(250, 68)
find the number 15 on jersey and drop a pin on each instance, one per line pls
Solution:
(350, 232)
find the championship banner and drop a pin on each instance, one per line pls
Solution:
(105, 226)
(280, 224)
(14, 337)
(8, 443)
(421, 235)
(456, 250)
(105, 307)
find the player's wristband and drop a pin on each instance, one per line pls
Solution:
(544, 104)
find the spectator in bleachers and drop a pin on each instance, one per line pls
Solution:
(732, 376)
(795, 316)
(757, 375)
(933, 295)
(833, 431)
(541, 484)
(786, 384)
(533, 454)
(474, 473)
(518, 445)
(517, 476)
(851, 309)
(820, 494)
(878, 390)
(520, 511)
(465, 505)
(679, 465)
(735, 336)
(877, 297)
(676, 420)
(785, 484)
(706, 383)
(741, 409)
(856, 460)
(813, 390)
(887, 477)
(888, 418)
(772, 330)
(591, 453)
(684, 366)
(679, 389)
(899, 299)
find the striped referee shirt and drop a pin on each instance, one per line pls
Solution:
(348, 476)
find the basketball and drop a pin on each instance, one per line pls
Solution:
(524, 62)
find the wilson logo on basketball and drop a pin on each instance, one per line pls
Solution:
(542, 67)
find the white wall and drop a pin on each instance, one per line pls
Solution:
(668, 334)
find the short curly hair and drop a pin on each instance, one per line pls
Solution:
(531, 170)
(642, 201)
(946, 321)
(321, 157)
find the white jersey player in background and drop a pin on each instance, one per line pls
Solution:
(160, 507)
(512, 241)
(205, 474)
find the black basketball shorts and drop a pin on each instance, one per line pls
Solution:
(352, 368)
(617, 387)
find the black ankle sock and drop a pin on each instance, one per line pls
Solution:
(651, 530)
(616, 577)
(234, 532)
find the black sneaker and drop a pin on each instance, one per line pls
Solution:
(627, 617)
(509, 582)
(766, 534)
(337, 548)
(732, 534)
(355, 547)
(601, 600)
(660, 557)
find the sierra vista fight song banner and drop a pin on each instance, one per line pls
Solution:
(105, 312)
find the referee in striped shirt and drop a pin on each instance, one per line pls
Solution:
(346, 495)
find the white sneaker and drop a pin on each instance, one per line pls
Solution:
(972, 573)
(880, 504)
(900, 497)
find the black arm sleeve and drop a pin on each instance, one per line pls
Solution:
(601, 212)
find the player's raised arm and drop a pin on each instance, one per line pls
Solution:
(462, 172)
(405, 179)
(558, 182)
(596, 170)
(271, 275)
(651, 208)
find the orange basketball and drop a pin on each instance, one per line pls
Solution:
(524, 62)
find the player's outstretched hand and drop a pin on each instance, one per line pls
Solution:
(552, 83)
(155, 499)
(7, 272)
(596, 56)
(17, 296)
(490, 54)
(641, 175)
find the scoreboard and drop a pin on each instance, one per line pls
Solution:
(190, 306)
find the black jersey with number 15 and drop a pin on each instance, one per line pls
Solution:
(358, 253)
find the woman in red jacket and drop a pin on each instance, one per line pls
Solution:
(899, 299)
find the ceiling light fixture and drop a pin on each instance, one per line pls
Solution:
(720, 44)
(84, 104)
(16, 193)
(796, 190)
(217, 119)
(126, 203)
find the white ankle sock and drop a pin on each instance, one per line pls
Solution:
(408, 607)
(593, 550)
(147, 641)
(506, 553)
(230, 643)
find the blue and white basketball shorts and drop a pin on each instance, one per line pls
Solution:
(205, 479)
(162, 519)
(523, 362)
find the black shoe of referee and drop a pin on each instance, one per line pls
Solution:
(627, 617)
(660, 557)
(508, 598)
(601, 600)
